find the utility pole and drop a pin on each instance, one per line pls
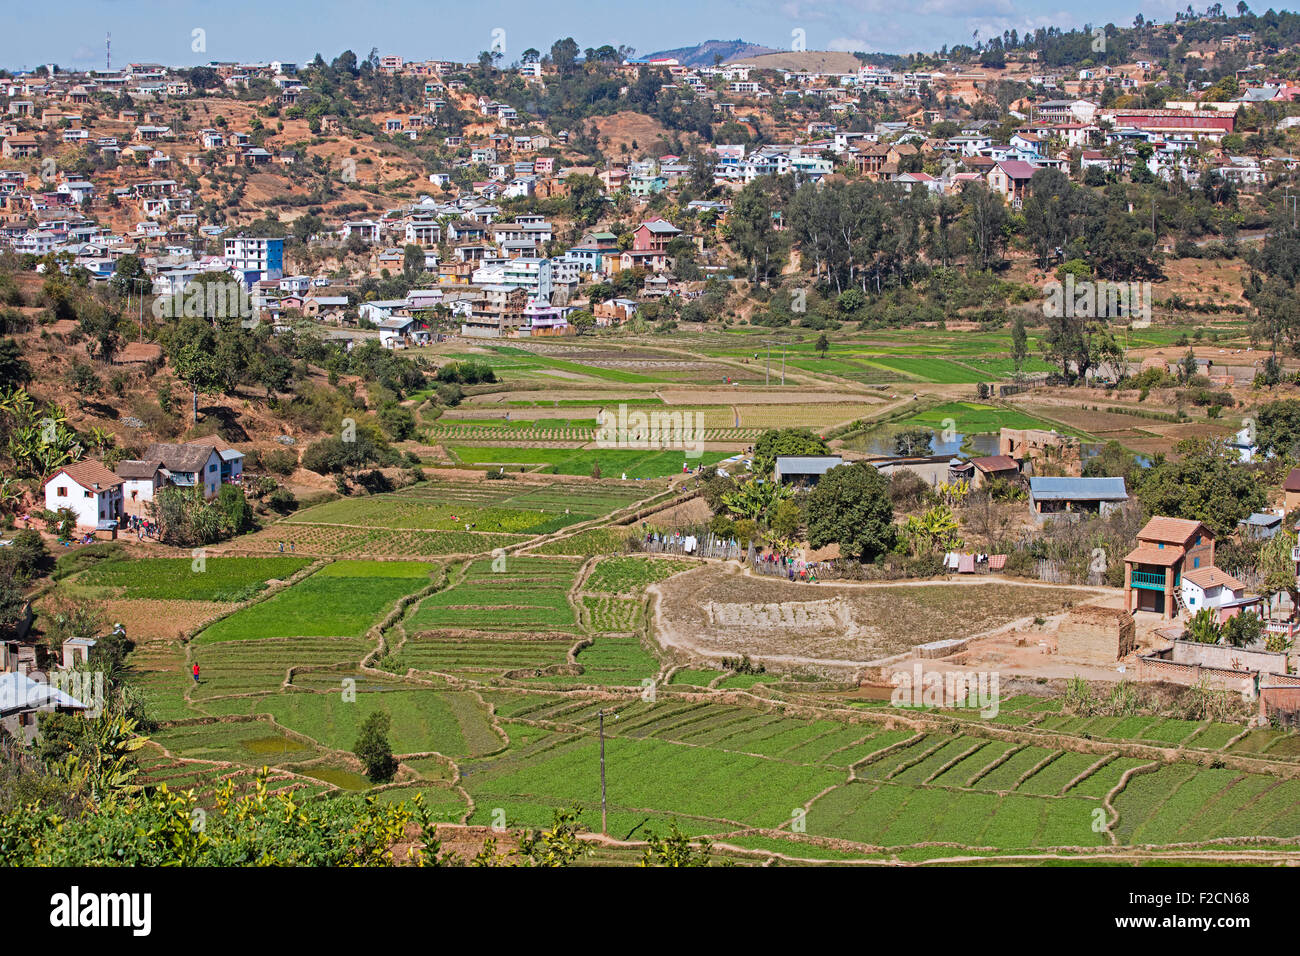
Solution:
(601, 714)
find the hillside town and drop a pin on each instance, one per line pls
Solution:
(585, 456)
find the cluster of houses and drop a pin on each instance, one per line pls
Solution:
(102, 499)
(503, 276)
(1183, 145)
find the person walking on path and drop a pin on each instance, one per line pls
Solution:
(194, 671)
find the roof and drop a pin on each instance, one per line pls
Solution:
(1146, 554)
(91, 475)
(659, 225)
(226, 450)
(1262, 519)
(807, 464)
(1017, 168)
(19, 693)
(1292, 482)
(1077, 489)
(1170, 530)
(132, 469)
(995, 463)
(1212, 577)
(179, 458)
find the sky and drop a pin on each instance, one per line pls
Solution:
(71, 33)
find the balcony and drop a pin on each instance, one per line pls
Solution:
(1151, 580)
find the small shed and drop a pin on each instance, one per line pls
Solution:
(1075, 496)
(1261, 525)
(806, 469)
(993, 466)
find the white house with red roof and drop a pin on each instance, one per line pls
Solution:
(89, 490)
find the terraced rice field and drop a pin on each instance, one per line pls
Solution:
(612, 462)
(341, 600)
(213, 578)
(328, 540)
(532, 647)
(518, 594)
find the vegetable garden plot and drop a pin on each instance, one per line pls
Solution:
(448, 722)
(401, 514)
(158, 670)
(214, 578)
(631, 575)
(592, 541)
(524, 595)
(1007, 774)
(611, 614)
(931, 764)
(330, 540)
(612, 661)
(1053, 778)
(260, 666)
(484, 654)
(343, 599)
(896, 815)
(634, 463)
(694, 677)
(654, 775)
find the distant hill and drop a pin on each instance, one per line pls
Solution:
(816, 61)
(702, 54)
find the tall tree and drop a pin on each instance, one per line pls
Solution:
(850, 507)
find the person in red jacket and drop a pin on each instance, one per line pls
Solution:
(195, 671)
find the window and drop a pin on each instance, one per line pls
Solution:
(1161, 545)
(1192, 602)
(62, 491)
(1196, 562)
(212, 468)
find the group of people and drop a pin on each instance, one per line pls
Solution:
(143, 527)
(281, 544)
(795, 569)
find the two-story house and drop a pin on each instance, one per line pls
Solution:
(1153, 571)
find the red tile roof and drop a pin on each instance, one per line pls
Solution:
(91, 475)
(1170, 530)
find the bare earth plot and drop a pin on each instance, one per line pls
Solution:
(718, 611)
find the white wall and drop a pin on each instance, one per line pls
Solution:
(89, 510)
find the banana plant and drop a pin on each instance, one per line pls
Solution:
(15, 401)
(100, 439)
(107, 764)
(12, 492)
(755, 498)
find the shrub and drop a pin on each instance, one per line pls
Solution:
(281, 461)
(283, 501)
